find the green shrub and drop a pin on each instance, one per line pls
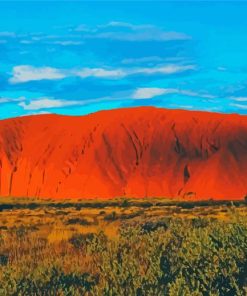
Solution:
(79, 221)
(111, 217)
(163, 257)
(4, 259)
(58, 283)
(80, 240)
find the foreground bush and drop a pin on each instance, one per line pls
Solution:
(162, 257)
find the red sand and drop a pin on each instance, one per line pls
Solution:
(135, 152)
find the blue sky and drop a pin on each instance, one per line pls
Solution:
(80, 57)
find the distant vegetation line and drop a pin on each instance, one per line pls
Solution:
(15, 204)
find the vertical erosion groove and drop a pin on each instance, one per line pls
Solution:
(137, 154)
(110, 155)
(186, 174)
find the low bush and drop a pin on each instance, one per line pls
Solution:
(162, 257)
(111, 217)
(79, 221)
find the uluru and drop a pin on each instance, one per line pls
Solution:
(132, 152)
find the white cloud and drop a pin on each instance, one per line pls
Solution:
(9, 100)
(43, 112)
(195, 94)
(119, 73)
(149, 59)
(67, 43)
(239, 99)
(240, 106)
(126, 25)
(46, 103)
(113, 24)
(43, 103)
(100, 72)
(49, 103)
(168, 69)
(150, 92)
(147, 35)
(36, 113)
(83, 28)
(239, 102)
(122, 31)
(27, 73)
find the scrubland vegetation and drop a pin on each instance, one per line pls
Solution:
(122, 247)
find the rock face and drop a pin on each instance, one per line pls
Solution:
(135, 152)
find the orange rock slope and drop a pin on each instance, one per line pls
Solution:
(135, 152)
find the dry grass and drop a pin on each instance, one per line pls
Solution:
(37, 235)
(58, 222)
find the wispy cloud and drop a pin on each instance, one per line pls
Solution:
(26, 41)
(151, 35)
(223, 69)
(124, 31)
(100, 73)
(46, 103)
(117, 24)
(151, 92)
(167, 69)
(115, 30)
(196, 94)
(240, 106)
(239, 102)
(82, 28)
(112, 24)
(11, 100)
(25, 73)
(7, 34)
(239, 99)
(52, 40)
(67, 42)
(50, 102)
(139, 36)
(151, 59)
